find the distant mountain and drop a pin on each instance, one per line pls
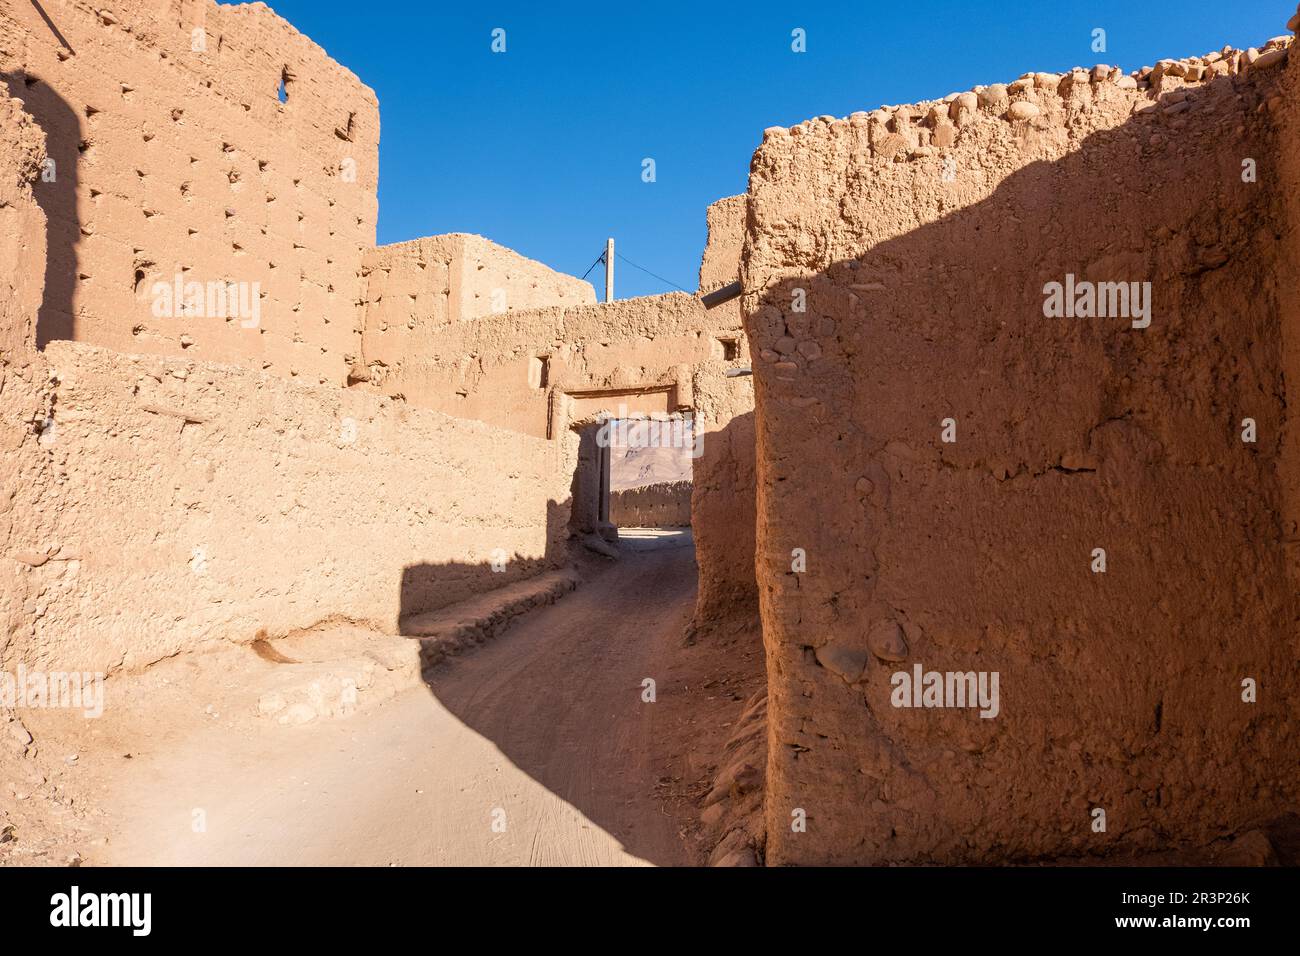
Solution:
(635, 467)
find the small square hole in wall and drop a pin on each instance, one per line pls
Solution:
(727, 349)
(539, 371)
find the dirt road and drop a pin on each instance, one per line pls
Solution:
(534, 749)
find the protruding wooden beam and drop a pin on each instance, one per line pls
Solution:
(719, 296)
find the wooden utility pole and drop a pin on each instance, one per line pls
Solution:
(609, 269)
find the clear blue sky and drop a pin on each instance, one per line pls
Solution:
(540, 148)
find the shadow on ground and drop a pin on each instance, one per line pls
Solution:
(561, 695)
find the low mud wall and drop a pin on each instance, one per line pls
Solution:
(151, 504)
(666, 504)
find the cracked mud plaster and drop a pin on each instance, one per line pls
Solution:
(918, 240)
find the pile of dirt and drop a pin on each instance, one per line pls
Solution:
(713, 744)
(41, 822)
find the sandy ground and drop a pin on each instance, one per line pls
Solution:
(536, 748)
(542, 731)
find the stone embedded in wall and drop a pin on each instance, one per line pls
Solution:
(936, 453)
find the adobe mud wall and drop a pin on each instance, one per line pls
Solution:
(540, 371)
(722, 498)
(941, 465)
(720, 264)
(22, 227)
(722, 502)
(149, 504)
(665, 504)
(176, 165)
(505, 368)
(530, 361)
(414, 290)
(1287, 113)
(511, 369)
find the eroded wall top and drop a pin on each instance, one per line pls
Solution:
(720, 264)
